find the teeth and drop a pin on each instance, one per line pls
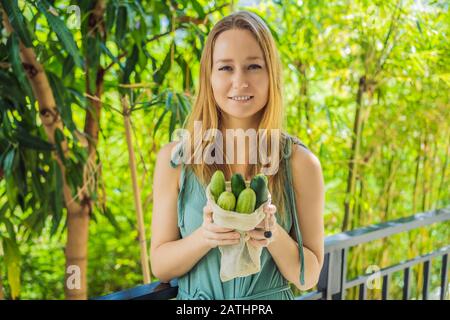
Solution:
(241, 98)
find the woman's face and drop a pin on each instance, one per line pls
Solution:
(239, 78)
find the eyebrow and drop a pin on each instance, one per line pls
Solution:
(231, 60)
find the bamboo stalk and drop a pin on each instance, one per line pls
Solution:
(1, 288)
(416, 176)
(77, 212)
(441, 184)
(136, 191)
(424, 177)
(354, 153)
(433, 172)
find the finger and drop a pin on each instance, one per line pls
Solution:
(223, 236)
(207, 209)
(260, 225)
(257, 235)
(259, 243)
(271, 209)
(227, 242)
(215, 228)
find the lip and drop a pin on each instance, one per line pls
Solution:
(242, 101)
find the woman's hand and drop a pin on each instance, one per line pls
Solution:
(213, 235)
(257, 238)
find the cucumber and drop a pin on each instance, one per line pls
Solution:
(246, 201)
(227, 201)
(217, 184)
(258, 185)
(237, 184)
(266, 180)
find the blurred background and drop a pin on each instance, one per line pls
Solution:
(91, 90)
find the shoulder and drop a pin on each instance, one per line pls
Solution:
(166, 150)
(163, 166)
(301, 156)
(306, 166)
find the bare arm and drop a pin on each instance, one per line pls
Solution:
(171, 256)
(309, 196)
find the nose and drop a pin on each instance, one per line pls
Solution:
(239, 81)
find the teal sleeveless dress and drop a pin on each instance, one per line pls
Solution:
(203, 282)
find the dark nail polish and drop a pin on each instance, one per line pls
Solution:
(268, 234)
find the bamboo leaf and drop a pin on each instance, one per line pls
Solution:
(158, 123)
(68, 66)
(12, 261)
(63, 33)
(17, 21)
(182, 103)
(3, 209)
(111, 11)
(185, 68)
(130, 64)
(8, 162)
(169, 101)
(11, 192)
(159, 75)
(105, 49)
(59, 138)
(16, 63)
(108, 214)
(10, 89)
(10, 229)
(62, 105)
(28, 140)
(121, 24)
(418, 26)
(58, 198)
(173, 122)
(198, 8)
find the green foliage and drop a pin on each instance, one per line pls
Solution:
(388, 61)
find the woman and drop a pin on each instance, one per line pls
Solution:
(240, 88)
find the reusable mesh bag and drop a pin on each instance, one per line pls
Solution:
(241, 259)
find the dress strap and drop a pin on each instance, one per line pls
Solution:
(289, 141)
(291, 195)
(175, 160)
(176, 156)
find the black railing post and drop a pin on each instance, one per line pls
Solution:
(444, 276)
(406, 283)
(323, 278)
(336, 274)
(385, 288)
(362, 291)
(426, 279)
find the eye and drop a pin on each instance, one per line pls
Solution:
(254, 66)
(225, 68)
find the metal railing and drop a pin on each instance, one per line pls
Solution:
(333, 281)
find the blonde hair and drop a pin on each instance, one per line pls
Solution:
(205, 109)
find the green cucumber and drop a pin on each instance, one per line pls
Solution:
(258, 185)
(246, 201)
(266, 180)
(217, 184)
(227, 201)
(237, 184)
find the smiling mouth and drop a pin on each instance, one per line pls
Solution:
(241, 98)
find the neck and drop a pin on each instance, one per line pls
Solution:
(228, 122)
